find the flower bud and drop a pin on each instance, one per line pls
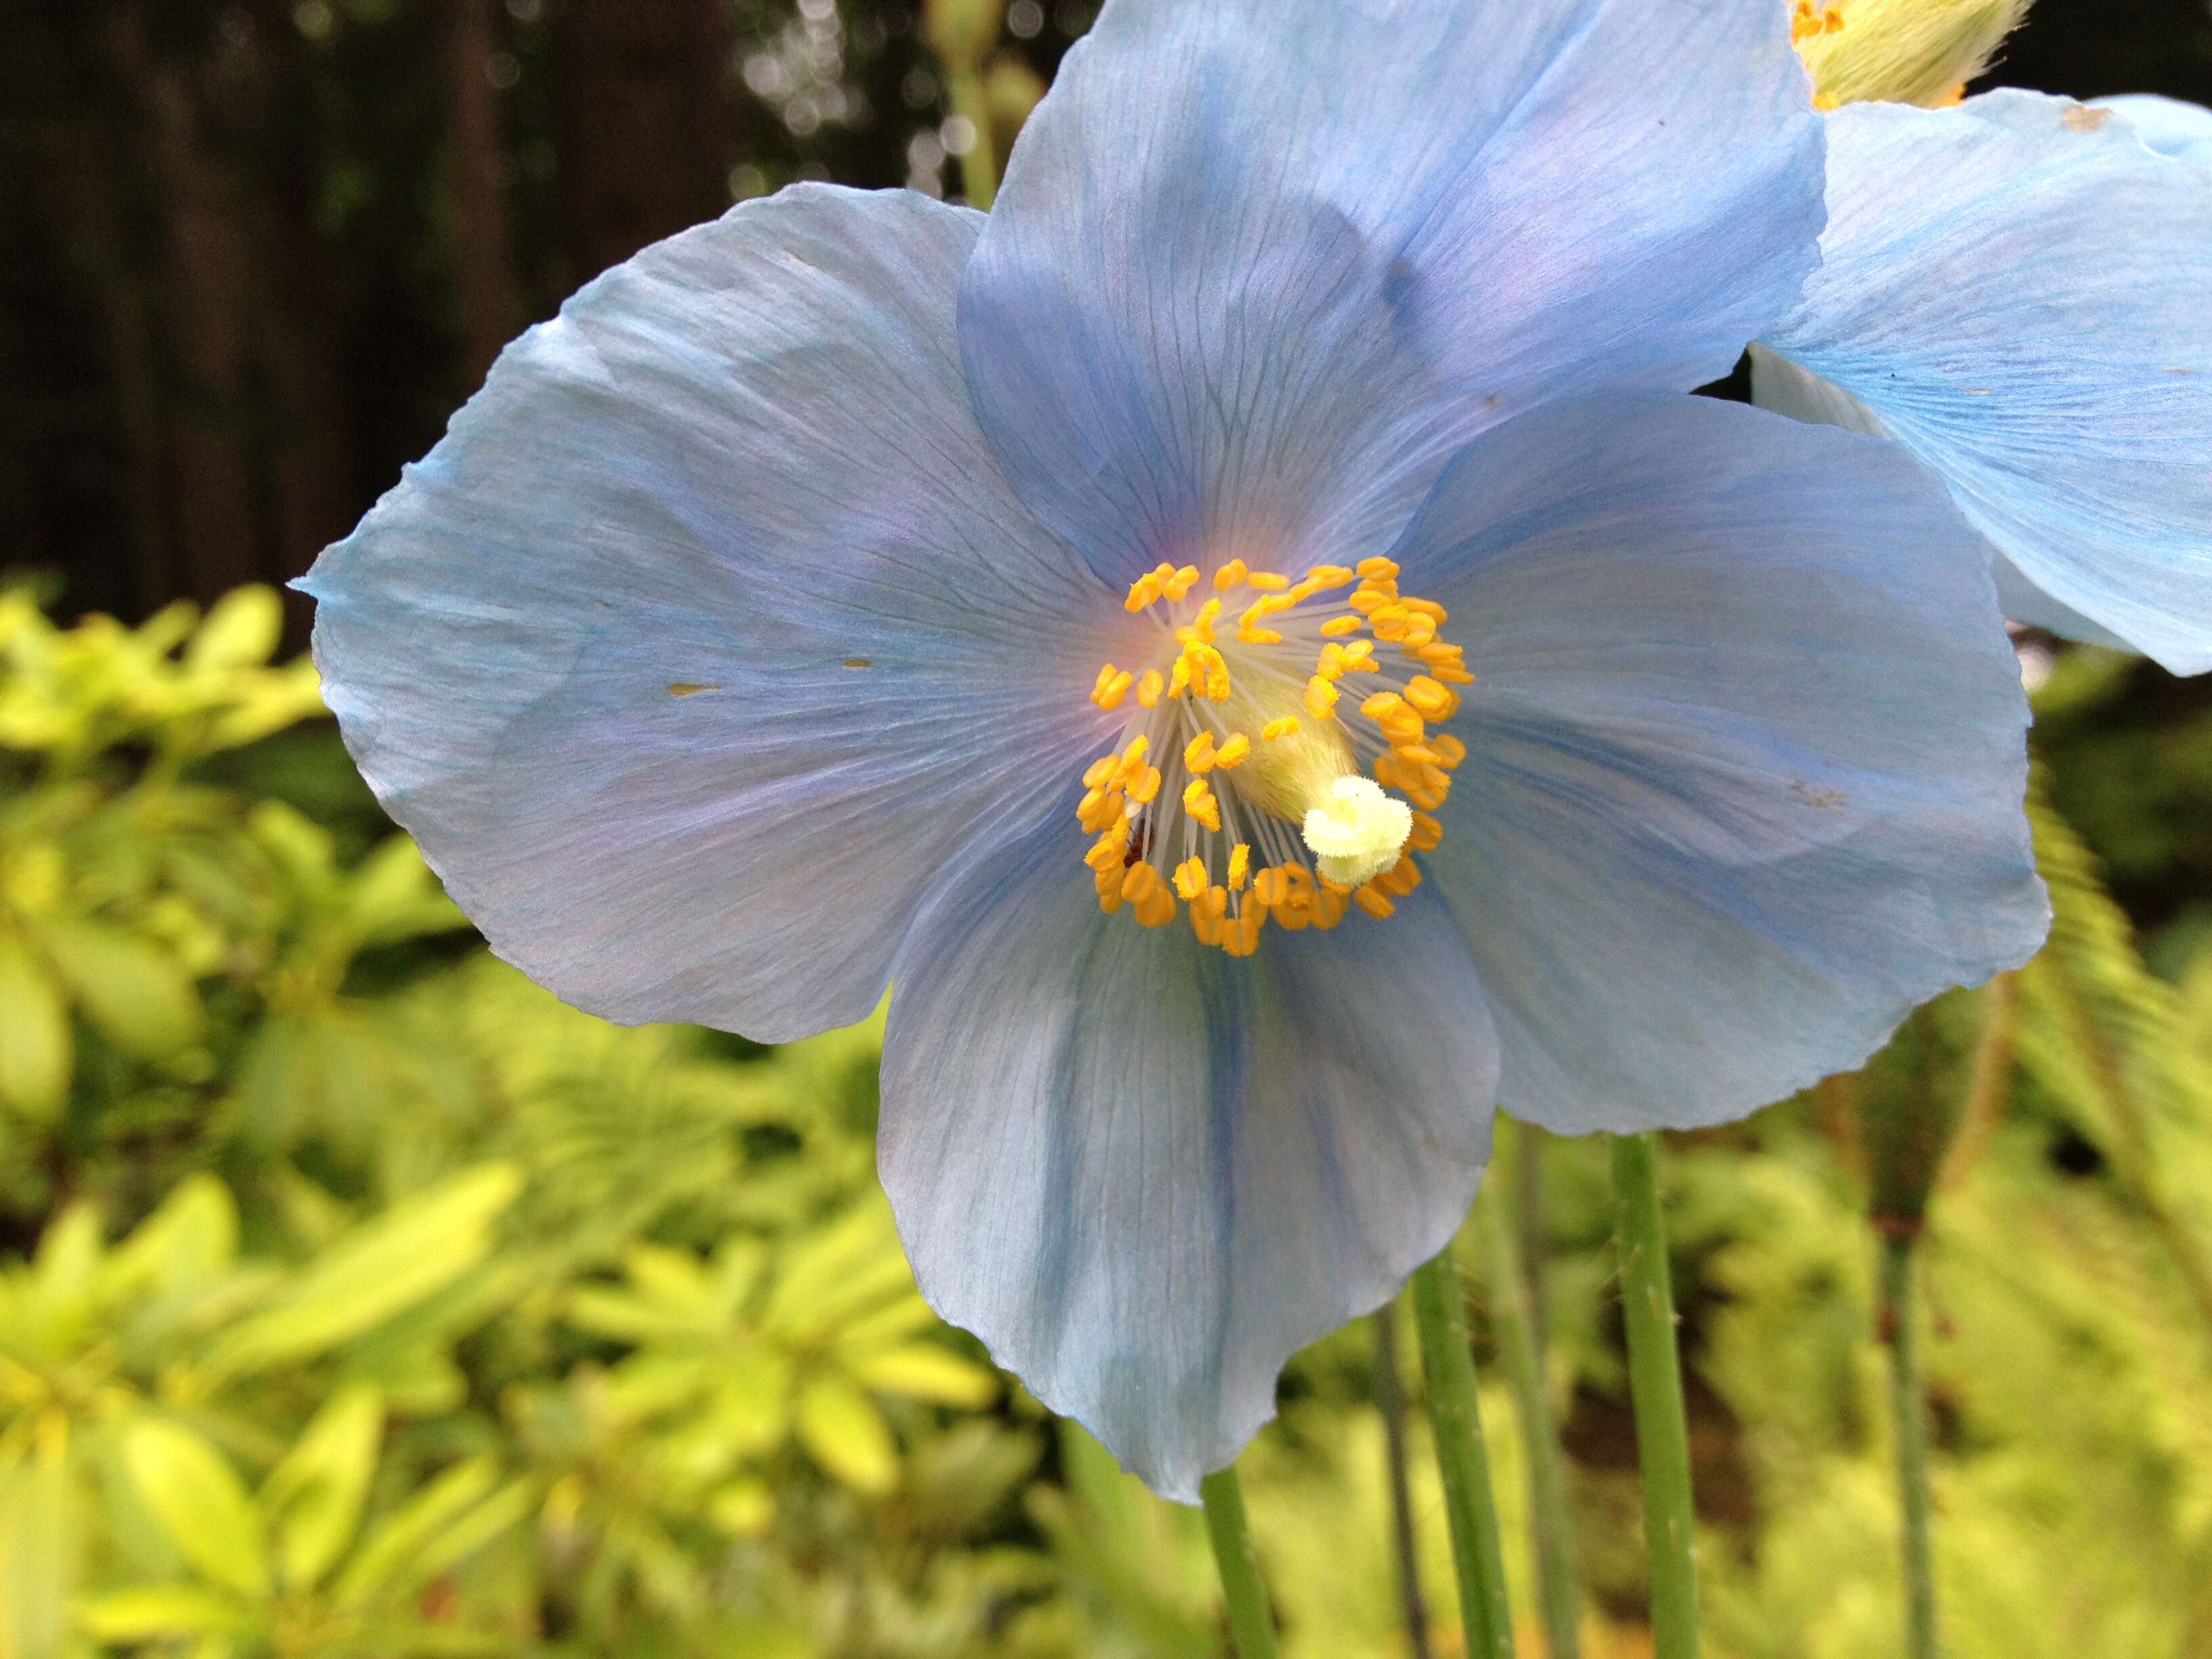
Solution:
(962, 32)
(1899, 52)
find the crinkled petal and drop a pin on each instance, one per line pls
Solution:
(710, 631)
(1259, 265)
(2021, 293)
(2166, 124)
(1746, 754)
(1145, 1173)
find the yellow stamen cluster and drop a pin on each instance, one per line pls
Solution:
(1898, 51)
(1250, 732)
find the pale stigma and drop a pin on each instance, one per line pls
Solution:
(1357, 832)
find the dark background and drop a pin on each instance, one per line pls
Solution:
(253, 253)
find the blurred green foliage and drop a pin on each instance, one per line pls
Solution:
(357, 1298)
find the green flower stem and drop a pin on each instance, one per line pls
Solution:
(1251, 1623)
(1551, 1518)
(1390, 1400)
(1456, 1414)
(979, 164)
(1655, 1382)
(1909, 1412)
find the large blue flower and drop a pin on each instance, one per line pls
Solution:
(1068, 617)
(2019, 289)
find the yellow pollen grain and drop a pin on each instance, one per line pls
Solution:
(1138, 882)
(1377, 570)
(1327, 576)
(1287, 726)
(1148, 688)
(1240, 866)
(1198, 801)
(1268, 581)
(1099, 770)
(1230, 575)
(1182, 582)
(1428, 835)
(1382, 704)
(1197, 754)
(1233, 752)
(1337, 627)
(1110, 693)
(1143, 592)
(1376, 904)
(1451, 751)
(1190, 879)
(1321, 698)
(1146, 787)
(1434, 701)
(1179, 677)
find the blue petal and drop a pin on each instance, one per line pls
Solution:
(2021, 293)
(710, 631)
(2166, 124)
(1259, 265)
(1145, 1173)
(1781, 386)
(1746, 754)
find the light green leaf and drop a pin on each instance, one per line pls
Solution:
(190, 1239)
(847, 1436)
(315, 1496)
(132, 990)
(398, 1543)
(241, 630)
(922, 1371)
(147, 1613)
(38, 1546)
(35, 1050)
(744, 1508)
(383, 1265)
(200, 1503)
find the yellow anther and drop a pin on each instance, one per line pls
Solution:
(1095, 774)
(1230, 575)
(1366, 599)
(1451, 673)
(1240, 866)
(1098, 810)
(1326, 576)
(1158, 907)
(1427, 836)
(1110, 903)
(1374, 902)
(1108, 849)
(1182, 582)
(1400, 878)
(1240, 938)
(1197, 754)
(1268, 581)
(1329, 907)
(1217, 679)
(1216, 901)
(1321, 698)
(1287, 726)
(1418, 630)
(1190, 879)
(1110, 693)
(1451, 751)
(1248, 635)
(1144, 591)
(1148, 688)
(1360, 657)
(1415, 754)
(1337, 627)
(1138, 881)
(1272, 886)
(1433, 700)
(1179, 677)
(1198, 801)
(1382, 704)
(1105, 678)
(1146, 787)
(1377, 570)
(1200, 626)
(1233, 752)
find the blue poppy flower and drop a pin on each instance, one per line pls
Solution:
(1249, 639)
(2019, 289)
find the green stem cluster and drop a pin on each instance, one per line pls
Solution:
(1909, 1413)
(1251, 1621)
(1463, 1458)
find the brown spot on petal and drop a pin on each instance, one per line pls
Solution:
(859, 662)
(688, 688)
(2081, 119)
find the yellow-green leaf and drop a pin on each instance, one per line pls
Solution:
(847, 1436)
(132, 990)
(199, 1501)
(389, 1555)
(380, 1267)
(922, 1371)
(241, 630)
(35, 1051)
(313, 1497)
(38, 1546)
(147, 1613)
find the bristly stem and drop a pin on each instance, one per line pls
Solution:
(1550, 1517)
(1390, 1400)
(1251, 1622)
(1909, 1412)
(1655, 1382)
(1462, 1459)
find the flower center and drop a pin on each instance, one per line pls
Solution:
(1240, 784)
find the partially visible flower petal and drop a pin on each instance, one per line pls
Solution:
(1259, 265)
(710, 632)
(1145, 1173)
(2021, 293)
(1745, 754)
(1779, 385)
(2166, 124)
